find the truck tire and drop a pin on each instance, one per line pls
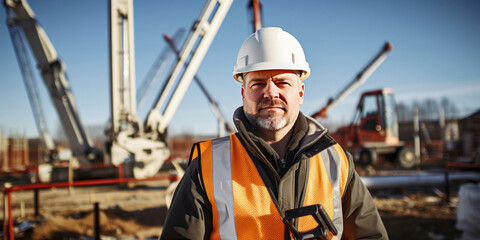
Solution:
(406, 157)
(368, 157)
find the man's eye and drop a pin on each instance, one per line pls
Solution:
(257, 84)
(284, 83)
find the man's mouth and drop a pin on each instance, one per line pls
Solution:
(268, 104)
(273, 108)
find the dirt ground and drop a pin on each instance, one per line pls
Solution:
(418, 216)
(138, 212)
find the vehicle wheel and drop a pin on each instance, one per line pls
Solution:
(406, 157)
(368, 157)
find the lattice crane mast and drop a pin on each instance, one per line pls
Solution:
(30, 84)
(144, 146)
(53, 72)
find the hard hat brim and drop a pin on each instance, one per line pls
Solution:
(237, 75)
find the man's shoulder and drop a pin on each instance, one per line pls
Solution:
(213, 139)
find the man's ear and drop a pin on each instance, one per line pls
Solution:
(243, 94)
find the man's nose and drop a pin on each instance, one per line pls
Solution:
(271, 90)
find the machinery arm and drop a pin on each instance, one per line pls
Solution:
(256, 7)
(194, 49)
(216, 110)
(53, 73)
(30, 85)
(146, 149)
(359, 79)
(156, 69)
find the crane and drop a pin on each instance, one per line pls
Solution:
(31, 86)
(191, 55)
(156, 69)
(143, 146)
(256, 7)
(223, 125)
(53, 72)
(361, 77)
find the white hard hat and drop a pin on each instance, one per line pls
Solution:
(270, 48)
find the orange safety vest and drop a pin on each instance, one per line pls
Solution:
(242, 207)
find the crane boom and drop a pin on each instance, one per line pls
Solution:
(30, 85)
(144, 147)
(256, 7)
(53, 72)
(222, 122)
(361, 77)
(194, 49)
(156, 69)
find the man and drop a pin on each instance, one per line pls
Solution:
(239, 187)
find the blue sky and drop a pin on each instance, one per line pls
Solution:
(435, 54)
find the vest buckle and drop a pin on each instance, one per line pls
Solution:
(325, 229)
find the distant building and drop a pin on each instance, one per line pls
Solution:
(36, 152)
(14, 153)
(460, 137)
(470, 135)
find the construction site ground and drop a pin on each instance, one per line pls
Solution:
(138, 210)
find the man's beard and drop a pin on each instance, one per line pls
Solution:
(271, 122)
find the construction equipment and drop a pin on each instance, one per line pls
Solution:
(143, 146)
(361, 77)
(53, 72)
(140, 148)
(156, 70)
(256, 9)
(374, 131)
(223, 126)
(32, 89)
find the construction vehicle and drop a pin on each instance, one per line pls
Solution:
(360, 78)
(140, 148)
(373, 133)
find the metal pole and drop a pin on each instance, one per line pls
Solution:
(96, 223)
(7, 212)
(35, 201)
(70, 176)
(442, 130)
(5, 216)
(426, 179)
(416, 124)
(257, 21)
(447, 187)
(10, 218)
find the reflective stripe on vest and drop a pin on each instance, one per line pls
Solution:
(324, 180)
(241, 204)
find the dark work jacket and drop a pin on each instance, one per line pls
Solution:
(190, 214)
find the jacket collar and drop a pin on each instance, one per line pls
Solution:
(306, 132)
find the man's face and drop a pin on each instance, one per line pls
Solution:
(272, 98)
